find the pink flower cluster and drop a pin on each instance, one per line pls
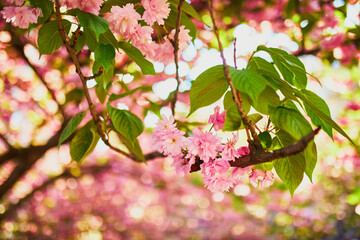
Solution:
(208, 148)
(124, 21)
(91, 6)
(21, 16)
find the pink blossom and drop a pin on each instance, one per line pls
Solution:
(123, 20)
(172, 143)
(204, 144)
(329, 43)
(184, 38)
(217, 119)
(140, 36)
(217, 166)
(167, 138)
(353, 106)
(21, 16)
(17, 2)
(182, 164)
(268, 179)
(161, 52)
(238, 172)
(218, 182)
(243, 151)
(155, 11)
(256, 174)
(91, 6)
(229, 152)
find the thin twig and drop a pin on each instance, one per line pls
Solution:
(2, 137)
(76, 35)
(72, 53)
(176, 57)
(101, 69)
(265, 157)
(236, 96)
(235, 54)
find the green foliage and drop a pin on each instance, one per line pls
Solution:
(71, 127)
(147, 68)
(91, 40)
(126, 123)
(290, 169)
(133, 146)
(322, 106)
(49, 38)
(97, 24)
(128, 93)
(234, 122)
(81, 40)
(248, 81)
(105, 56)
(265, 139)
(291, 68)
(84, 142)
(187, 8)
(207, 88)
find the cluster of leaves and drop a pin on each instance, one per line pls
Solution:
(274, 89)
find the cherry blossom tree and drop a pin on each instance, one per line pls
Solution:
(90, 150)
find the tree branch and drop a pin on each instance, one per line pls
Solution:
(85, 170)
(2, 137)
(264, 157)
(72, 53)
(176, 57)
(255, 145)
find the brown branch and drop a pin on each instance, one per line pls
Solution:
(235, 54)
(176, 57)
(264, 157)
(67, 173)
(101, 69)
(2, 137)
(255, 145)
(76, 35)
(72, 53)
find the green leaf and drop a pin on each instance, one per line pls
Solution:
(126, 123)
(310, 158)
(49, 38)
(104, 79)
(130, 92)
(291, 67)
(258, 63)
(248, 81)
(108, 38)
(267, 98)
(187, 8)
(71, 127)
(91, 41)
(106, 7)
(95, 23)
(265, 139)
(105, 55)
(170, 22)
(290, 121)
(322, 106)
(134, 147)
(147, 68)
(289, 169)
(207, 88)
(81, 40)
(229, 102)
(234, 122)
(100, 93)
(75, 95)
(324, 117)
(84, 142)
